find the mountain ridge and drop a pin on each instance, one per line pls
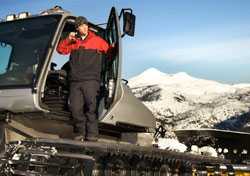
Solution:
(182, 101)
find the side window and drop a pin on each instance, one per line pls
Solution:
(59, 61)
(112, 37)
(5, 52)
(112, 69)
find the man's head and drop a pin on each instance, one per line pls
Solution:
(81, 25)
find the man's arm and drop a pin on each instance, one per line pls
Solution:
(103, 45)
(67, 45)
(106, 48)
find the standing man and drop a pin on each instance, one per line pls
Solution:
(85, 49)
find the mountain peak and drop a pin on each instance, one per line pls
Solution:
(154, 76)
(153, 71)
(181, 74)
(149, 76)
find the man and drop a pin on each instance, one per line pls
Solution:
(85, 49)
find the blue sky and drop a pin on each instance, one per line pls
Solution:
(208, 39)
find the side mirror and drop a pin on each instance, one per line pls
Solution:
(128, 22)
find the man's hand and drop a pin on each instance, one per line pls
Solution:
(114, 49)
(112, 52)
(72, 36)
(113, 45)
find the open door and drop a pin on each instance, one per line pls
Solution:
(113, 66)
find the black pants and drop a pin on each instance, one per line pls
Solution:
(83, 103)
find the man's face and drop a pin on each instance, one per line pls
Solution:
(83, 29)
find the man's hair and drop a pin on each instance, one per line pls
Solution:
(80, 20)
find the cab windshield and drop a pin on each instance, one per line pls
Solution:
(23, 47)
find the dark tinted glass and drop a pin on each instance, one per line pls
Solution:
(23, 47)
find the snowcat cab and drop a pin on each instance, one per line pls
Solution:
(34, 93)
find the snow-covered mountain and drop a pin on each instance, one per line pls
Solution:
(182, 101)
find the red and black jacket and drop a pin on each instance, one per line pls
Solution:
(85, 56)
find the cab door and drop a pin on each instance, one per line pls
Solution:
(113, 66)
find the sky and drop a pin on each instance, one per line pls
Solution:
(208, 39)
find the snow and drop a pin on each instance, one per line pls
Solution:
(171, 144)
(206, 150)
(182, 101)
(150, 76)
(181, 84)
(241, 85)
(180, 81)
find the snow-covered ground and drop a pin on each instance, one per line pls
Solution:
(182, 101)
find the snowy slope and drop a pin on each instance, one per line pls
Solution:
(182, 101)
